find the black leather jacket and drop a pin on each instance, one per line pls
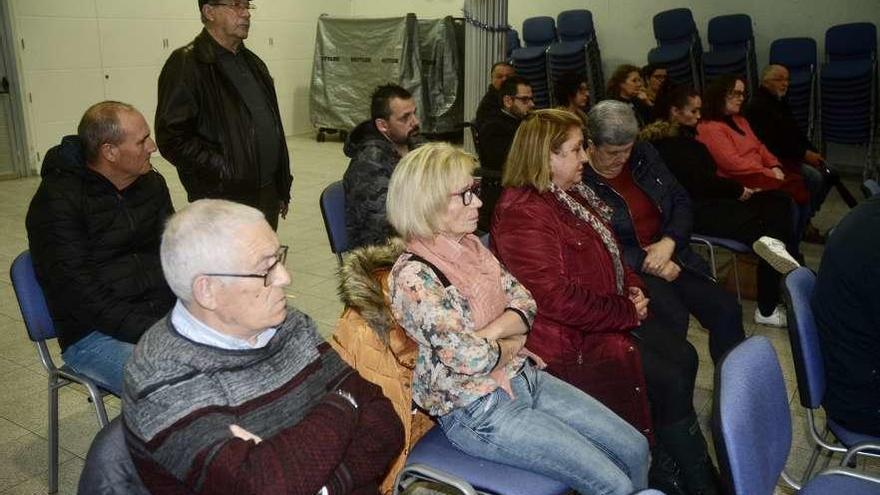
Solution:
(203, 126)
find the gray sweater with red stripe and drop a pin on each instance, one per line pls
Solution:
(181, 397)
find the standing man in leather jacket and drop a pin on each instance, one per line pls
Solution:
(218, 120)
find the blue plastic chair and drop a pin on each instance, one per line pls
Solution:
(752, 428)
(806, 351)
(41, 328)
(679, 48)
(735, 248)
(333, 211)
(434, 458)
(733, 49)
(799, 56)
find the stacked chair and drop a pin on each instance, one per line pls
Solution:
(733, 49)
(679, 48)
(530, 61)
(512, 42)
(848, 90)
(799, 56)
(577, 51)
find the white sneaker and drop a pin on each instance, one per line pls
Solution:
(776, 319)
(773, 252)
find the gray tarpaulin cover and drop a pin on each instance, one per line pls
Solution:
(354, 55)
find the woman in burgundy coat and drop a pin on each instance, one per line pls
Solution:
(552, 233)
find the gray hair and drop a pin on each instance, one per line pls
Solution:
(771, 70)
(612, 122)
(100, 125)
(203, 238)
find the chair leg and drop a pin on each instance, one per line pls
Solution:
(53, 435)
(100, 409)
(736, 279)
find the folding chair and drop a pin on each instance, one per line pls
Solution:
(333, 211)
(41, 328)
(806, 351)
(752, 428)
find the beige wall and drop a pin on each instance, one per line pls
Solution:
(74, 53)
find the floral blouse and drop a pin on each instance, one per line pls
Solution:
(453, 365)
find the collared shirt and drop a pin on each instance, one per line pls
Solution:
(190, 327)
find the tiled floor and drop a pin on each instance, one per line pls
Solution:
(23, 397)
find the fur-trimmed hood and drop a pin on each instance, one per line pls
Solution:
(361, 281)
(660, 129)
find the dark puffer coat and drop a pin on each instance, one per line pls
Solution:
(96, 249)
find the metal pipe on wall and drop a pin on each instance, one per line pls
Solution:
(485, 44)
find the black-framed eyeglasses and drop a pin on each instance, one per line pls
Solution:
(239, 6)
(280, 259)
(736, 94)
(467, 196)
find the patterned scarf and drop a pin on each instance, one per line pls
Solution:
(472, 269)
(599, 224)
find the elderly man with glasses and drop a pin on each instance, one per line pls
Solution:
(217, 119)
(234, 391)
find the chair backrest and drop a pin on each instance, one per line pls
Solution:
(539, 31)
(806, 349)
(794, 53)
(31, 300)
(674, 26)
(333, 211)
(870, 188)
(729, 31)
(857, 40)
(575, 25)
(512, 42)
(751, 421)
(109, 469)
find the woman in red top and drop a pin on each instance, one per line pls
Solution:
(552, 233)
(740, 155)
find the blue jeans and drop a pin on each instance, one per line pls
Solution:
(554, 429)
(101, 358)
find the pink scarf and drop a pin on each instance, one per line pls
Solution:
(472, 269)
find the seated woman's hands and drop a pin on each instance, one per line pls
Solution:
(657, 255)
(539, 363)
(777, 172)
(640, 301)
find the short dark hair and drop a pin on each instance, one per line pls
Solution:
(672, 95)
(620, 74)
(380, 101)
(567, 85)
(100, 125)
(510, 86)
(715, 98)
(498, 64)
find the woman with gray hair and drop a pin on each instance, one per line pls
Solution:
(652, 219)
(469, 317)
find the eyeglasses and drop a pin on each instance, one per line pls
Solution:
(468, 195)
(524, 99)
(736, 94)
(239, 6)
(280, 258)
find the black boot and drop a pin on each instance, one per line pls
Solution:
(664, 474)
(684, 442)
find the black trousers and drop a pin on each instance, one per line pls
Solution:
(267, 201)
(670, 367)
(716, 309)
(765, 213)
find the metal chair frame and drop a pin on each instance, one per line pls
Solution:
(705, 241)
(31, 301)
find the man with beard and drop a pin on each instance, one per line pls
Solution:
(375, 146)
(496, 136)
(217, 119)
(491, 102)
